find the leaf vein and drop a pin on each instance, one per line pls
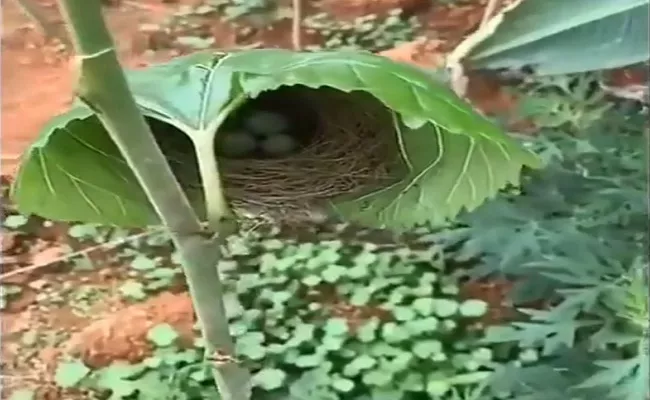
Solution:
(464, 170)
(46, 175)
(488, 167)
(75, 183)
(422, 173)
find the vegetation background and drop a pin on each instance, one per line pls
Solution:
(79, 300)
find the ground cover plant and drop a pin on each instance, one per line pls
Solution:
(370, 32)
(580, 244)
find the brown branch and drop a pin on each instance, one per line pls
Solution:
(296, 33)
(79, 253)
(490, 9)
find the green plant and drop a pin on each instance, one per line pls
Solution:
(168, 373)
(462, 167)
(235, 9)
(188, 27)
(324, 320)
(574, 237)
(555, 37)
(7, 291)
(104, 91)
(374, 336)
(127, 181)
(227, 9)
(569, 102)
(370, 32)
(337, 319)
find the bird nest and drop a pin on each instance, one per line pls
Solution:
(348, 148)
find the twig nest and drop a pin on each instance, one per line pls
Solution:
(311, 146)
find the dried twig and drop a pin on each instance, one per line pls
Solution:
(296, 33)
(490, 9)
(82, 252)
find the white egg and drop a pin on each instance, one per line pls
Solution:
(236, 143)
(263, 123)
(279, 145)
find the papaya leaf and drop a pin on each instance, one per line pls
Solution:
(456, 158)
(623, 379)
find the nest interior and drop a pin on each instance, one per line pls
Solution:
(348, 146)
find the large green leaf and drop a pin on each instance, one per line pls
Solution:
(449, 172)
(74, 171)
(188, 93)
(456, 157)
(562, 37)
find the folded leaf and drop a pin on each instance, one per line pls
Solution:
(456, 158)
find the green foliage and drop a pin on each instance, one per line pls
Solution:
(169, 373)
(327, 320)
(146, 254)
(7, 292)
(573, 237)
(234, 9)
(370, 32)
(564, 37)
(70, 373)
(288, 319)
(396, 327)
(14, 221)
(455, 158)
(188, 26)
(162, 335)
(568, 102)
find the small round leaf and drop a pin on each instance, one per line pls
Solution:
(162, 335)
(69, 374)
(269, 378)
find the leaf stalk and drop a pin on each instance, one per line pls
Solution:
(219, 215)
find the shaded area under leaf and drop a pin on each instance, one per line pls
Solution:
(348, 148)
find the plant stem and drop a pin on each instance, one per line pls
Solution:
(216, 206)
(103, 87)
(220, 218)
(490, 9)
